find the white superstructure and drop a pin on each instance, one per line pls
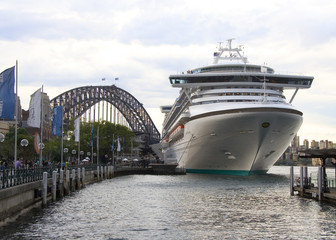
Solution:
(231, 117)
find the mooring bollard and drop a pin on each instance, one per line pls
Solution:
(78, 178)
(73, 176)
(45, 188)
(67, 182)
(292, 181)
(83, 176)
(60, 186)
(54, 176)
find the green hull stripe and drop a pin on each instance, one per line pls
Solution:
(226, 172)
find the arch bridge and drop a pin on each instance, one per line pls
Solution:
(78, 101)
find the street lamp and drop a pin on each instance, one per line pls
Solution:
(40, 146)
(81, 156)
(24, 143)
(2, 137)
(94, 155)
(73, 153)
(65, 150)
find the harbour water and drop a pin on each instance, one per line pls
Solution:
(190, 206)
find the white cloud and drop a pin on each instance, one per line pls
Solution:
(67, 44)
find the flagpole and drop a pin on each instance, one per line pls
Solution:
(62, 140)
(113, 151)
(41, 126)
(78, 160)
(97, 144)
(16, 111)
(92, 144)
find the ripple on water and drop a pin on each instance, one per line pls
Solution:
(190, 206)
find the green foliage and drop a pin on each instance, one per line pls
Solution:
(52, 149)
(7, 146)
(105, 132)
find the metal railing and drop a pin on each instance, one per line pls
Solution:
(10, 177)
(330, 179)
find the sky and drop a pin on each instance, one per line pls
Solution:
(66, 44)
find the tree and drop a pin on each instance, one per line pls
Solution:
(88, 140)
(8, 145)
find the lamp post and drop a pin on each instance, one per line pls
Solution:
(24, 143)
(65, 150)
(41, 147)
(81, 156)
(88, 154)
(94, 155)
(74, 154)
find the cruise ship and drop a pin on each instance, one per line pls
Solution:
(231, 117)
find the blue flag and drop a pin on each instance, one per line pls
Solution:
(7, 96)
(57, 121)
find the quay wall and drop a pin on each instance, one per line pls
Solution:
(19, 199)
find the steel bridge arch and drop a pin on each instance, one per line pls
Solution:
(77, 101)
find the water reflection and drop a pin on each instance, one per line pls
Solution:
(191, 206)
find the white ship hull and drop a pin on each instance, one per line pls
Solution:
(231, 117)
(239, 142)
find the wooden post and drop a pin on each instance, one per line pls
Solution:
(54, 176)
(78, 178)
(319, 183)
(97, 173)
(83, 176)
(292, 181)
(45, 188)
(301, 181)
(73, 180)
(67, 182)
(305, 176)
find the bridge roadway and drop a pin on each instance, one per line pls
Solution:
(24, 189)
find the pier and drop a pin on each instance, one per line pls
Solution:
(319, 186)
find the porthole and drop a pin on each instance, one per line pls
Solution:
(265, 124)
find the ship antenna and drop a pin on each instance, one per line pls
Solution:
(229, 43)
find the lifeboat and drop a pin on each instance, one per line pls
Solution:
(176, 133)
(165, 143)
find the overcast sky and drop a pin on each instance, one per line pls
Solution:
(65, 44)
